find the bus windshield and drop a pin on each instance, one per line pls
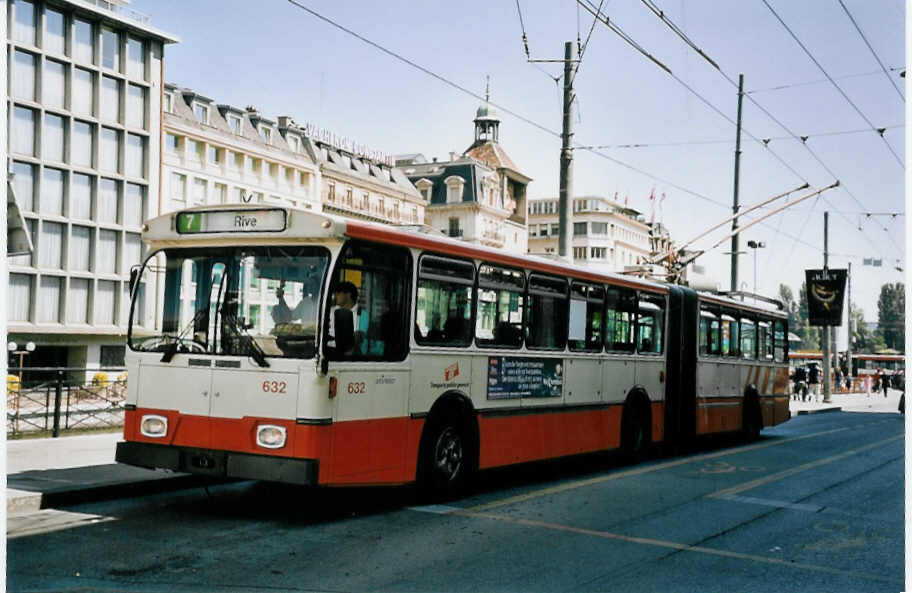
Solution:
(234, 301)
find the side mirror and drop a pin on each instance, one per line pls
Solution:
(134, 278)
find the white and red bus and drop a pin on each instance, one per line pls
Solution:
(286, 345)
(862, 364)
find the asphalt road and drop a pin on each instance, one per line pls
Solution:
(815, 505)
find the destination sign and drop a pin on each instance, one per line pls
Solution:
(231, 221)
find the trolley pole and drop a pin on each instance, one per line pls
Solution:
(734, 253)
(825, 338)
(565, 212)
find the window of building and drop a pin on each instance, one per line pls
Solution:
(454, 228)
(620, 312)
(499, 308)
(23, 131)
(78, 301)
(172, 143)
(49, 299)
(135, 156)
(214, 154)
(579, 229)
(19, 295)
(443, 313)
(82, 95)
(455, 187)
(377, 327)
(105, 291)
(598, 252)
(294, 143)
(108, 154)
(50, 245)
(110, 49)
(51, 201)
(24, 185)
(24, 30)
(79, 249)
(266, 134)
(106, 256)
(599, 228)
(748, 339)
(579, 253)
(199, 190)
(136, 106)
(546, 326)
(53, 84)
(136, 58)
(107, 201)
(331, 192)
(80, 196)
(586, 317)
(194, 149)
(84, 41)
(134, 204)
(168, 105)
(110, 99)
(82, 146)
(234, 122)
(52, 138)
(132, 251)
(220, 193)
(650, 324)
(201, 112)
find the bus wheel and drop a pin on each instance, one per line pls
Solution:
(445, 461)
(635, 437)
(752, 418)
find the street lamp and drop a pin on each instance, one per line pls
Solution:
(755, 245)
(27, 348)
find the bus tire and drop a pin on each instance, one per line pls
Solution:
(446, 461)
(636, 438)
(751, 417)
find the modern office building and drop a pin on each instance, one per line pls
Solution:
(606, 235)
(479, 196)
(84, 104)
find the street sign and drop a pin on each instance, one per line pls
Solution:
(825, 294)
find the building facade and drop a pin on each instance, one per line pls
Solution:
(606, 235)
(84, 104)
(479, 196)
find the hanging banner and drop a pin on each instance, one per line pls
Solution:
(825, 294)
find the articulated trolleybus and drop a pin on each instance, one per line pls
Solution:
(279, 344)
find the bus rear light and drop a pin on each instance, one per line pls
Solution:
(153, 425)
(333, 383)
(271, 436)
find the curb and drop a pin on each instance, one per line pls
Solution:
(820, 411)
(20, 501)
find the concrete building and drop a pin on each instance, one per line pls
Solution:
(606, 235)
(479, 196)
(84, 104)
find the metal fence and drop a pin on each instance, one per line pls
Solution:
(51, 399)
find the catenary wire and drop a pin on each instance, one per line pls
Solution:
(874, 53)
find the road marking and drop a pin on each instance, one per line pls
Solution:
(436, 509)
(679, 546)
(797, 469)
(647, 469)
(48, 520)
(780, 504)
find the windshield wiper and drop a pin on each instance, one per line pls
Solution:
(175, 345)
(256, 353)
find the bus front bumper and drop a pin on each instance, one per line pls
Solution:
(222, 464)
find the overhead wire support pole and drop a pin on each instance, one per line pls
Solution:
(734, 253)
(826, 328)
(565, 197)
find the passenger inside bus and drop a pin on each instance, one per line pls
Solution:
(343, 320)
(282, 313)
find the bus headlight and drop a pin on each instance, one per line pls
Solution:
(271, 436)
(153, 426)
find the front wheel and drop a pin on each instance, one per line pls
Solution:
(446, 463)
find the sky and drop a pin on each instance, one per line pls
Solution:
(285, 61)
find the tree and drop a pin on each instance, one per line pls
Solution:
(791, 307)
(810, 336)
(862, 338)
(891, 316)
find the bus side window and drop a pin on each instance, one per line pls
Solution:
(764, 341)
(380, 276)
(748, 339)
(586, 317)
(499, 307)
(650, 323)
(780, 344)
(709, 332)
(620, 319)
(443, 310)
(546, 326)
(731, 337)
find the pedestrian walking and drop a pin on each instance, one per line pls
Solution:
(799, 378)
(814, 380)
(884, 382)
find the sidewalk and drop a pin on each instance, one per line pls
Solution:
(850, 402)
(67, 470)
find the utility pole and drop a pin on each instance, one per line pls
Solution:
(565, 211)
(849, 341)
(826, 328)
(734, 253)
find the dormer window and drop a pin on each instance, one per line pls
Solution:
(454, 185)
(266, 134)
(201, 112)
(167, 104)
(234, 122)
(424, 187)
(294, 143)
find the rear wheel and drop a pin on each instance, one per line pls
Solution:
(446, 462)
(635, 434)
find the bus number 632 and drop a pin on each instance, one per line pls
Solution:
(357, 387)
(274, 386)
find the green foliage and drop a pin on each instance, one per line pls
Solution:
(891, 316)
